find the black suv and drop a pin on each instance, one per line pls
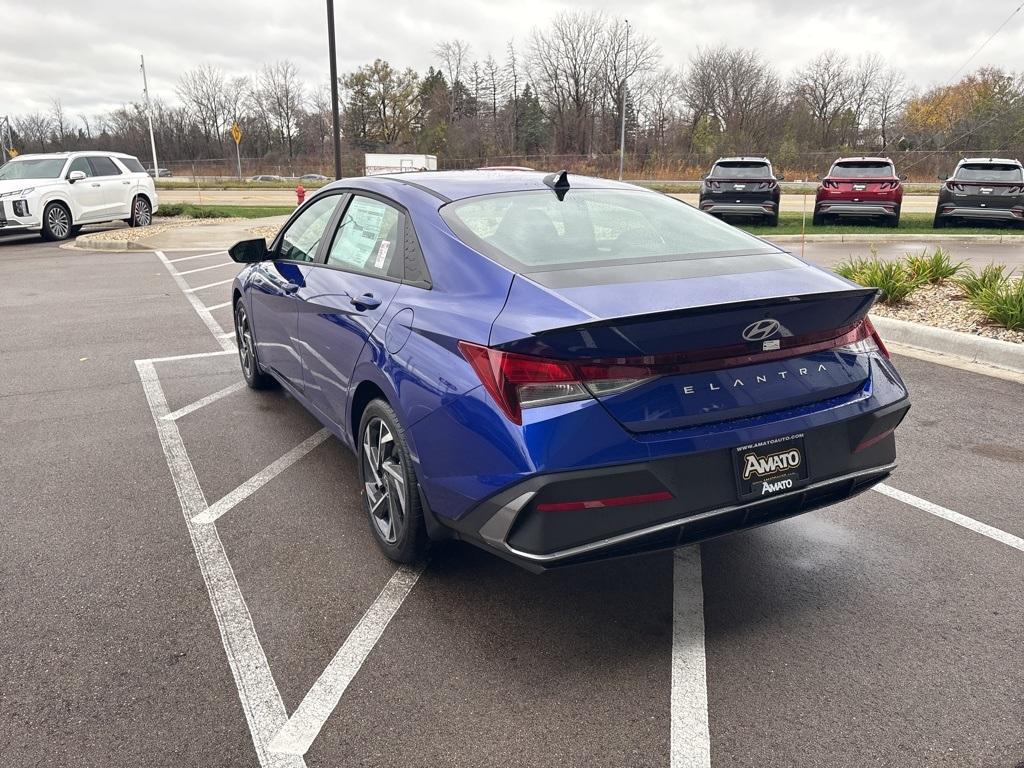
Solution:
(982, 189)
(742, 187)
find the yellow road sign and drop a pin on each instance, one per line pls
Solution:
(236, 133)
(12, 152)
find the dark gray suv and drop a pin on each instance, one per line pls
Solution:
(982, 189)
(742, 187)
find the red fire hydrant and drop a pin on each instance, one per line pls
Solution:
(300, 194)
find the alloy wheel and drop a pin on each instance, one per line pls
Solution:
(384, 480)
(58, 222)
(143, 214)
(246, 346)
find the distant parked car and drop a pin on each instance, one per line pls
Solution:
(860, 187)
(56, 194)
(161, 172)
(313, 177)
(982, 189)
(265, 177)
(743, 187)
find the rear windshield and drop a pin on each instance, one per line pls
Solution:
(741, 171)
(989, 172)
(132, 164)
(41, 168)
(534, 231)
(862, 170)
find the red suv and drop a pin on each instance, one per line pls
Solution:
(860, 187)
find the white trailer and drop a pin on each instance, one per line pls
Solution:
(378, 164)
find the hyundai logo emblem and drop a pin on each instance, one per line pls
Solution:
(761, 330)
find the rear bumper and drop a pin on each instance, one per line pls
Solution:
(705, 500)
(881, 208)
(753, 208)
(980, 214)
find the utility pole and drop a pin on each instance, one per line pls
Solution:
(6, 140)
(622, 130)
(335, 128)
(149, 115)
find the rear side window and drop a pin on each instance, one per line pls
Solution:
(989, 172)
(104, 166)
(368, 239)
(863, 169)
(133, 165)
(741, 171)
(534, 231)
(300, 241)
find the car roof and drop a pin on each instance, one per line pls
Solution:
(1000, 160)
(65, 155)
(862, 160)
(743, 159)
(458, 185)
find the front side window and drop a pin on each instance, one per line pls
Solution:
(104, 166)
(300, 240)
(863, 170)
(739, 170)
(988, 172)
(81, 164)
(533, 231)
(37, 168)
(367, 238)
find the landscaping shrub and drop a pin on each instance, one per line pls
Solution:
(891, 278)
(934, 268)
(991, 276)
(1002, 303)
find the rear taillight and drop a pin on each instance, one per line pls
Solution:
(524, 381)
(830, 184)
(862, 339)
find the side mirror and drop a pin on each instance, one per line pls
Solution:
(780, 177)
(819, 177)
(902, 178)
(249, 251)
(76, 176)
(940, 177)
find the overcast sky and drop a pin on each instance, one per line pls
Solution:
(86, 52)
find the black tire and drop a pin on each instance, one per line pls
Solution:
(76, 229)
(390, 494)
(773, 220)
(938, 222)
(818, 220)
(253, 374)
(894, 222)
(56, 222)
(142, 212)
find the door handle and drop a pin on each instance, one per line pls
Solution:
(97, 185)
(366, 301)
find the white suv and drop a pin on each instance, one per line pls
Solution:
(56, 194)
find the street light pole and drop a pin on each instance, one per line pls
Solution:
(622, 130)
(149, 115)
(336, 129)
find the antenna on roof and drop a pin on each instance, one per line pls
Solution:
(559, 182)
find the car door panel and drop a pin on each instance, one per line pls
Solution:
(113, 190)
(274, 285)
(344, 298)
(86, 194)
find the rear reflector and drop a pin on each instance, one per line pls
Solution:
(614, 501)
(518, 381)
(867, 442)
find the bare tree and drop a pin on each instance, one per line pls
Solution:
(204, 91)
(281, 95)
(453, 55)
(889, 99)
(59, 121)
(34, 128)
(863, 84)
(824, 88)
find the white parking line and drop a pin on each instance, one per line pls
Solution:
(220, 306)
(261, 701)
(690, 738)
(954, 517)
(209, 285)
(297, 735)
(192, 356)
(261, 478)
(198, 256)
(197, 305)
(192, 407)
(212, 266)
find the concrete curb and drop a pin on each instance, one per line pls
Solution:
(86, 243)
(894, 238)
(976, 349)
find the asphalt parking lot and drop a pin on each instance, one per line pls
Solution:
(885, 631)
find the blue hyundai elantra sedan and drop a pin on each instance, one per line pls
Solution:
(559, 368)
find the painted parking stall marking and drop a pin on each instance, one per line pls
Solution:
(281, 740)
